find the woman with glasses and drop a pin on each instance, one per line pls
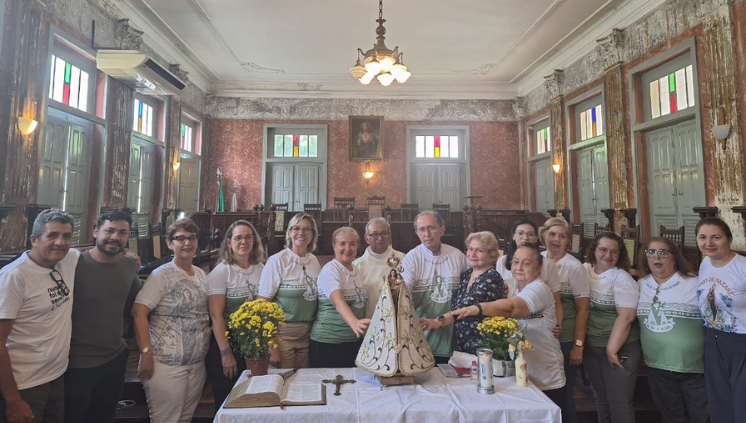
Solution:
(479, 284)
(340, 324)
(671, 332)
(234, 281)
(172, 328)
(289, 278)
(612, 352)
(575, 286)
(525, 232)
(722, 301)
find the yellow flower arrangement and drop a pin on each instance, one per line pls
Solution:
(503, 336)
(252, 327)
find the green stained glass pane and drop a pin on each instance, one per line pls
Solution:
(279, 145)
(303, 144)
(313, 145)
(671, 83)
(288, 146)
(68, 69)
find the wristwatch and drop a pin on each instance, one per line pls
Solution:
(479, 307)
(579, 343)
(144, 350)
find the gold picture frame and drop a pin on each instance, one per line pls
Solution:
(366, 138)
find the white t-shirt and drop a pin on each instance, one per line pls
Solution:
(722, 295)
(549, 275)
(574, 283)
(179, 319)
(292, 281)
(373, 271)
(39, 341)
(237, 284)
(545, 362)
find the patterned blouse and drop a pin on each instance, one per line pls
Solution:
(487, 287)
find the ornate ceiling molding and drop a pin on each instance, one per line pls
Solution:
(483, 69)
(180, 73)
(128, 38)
(518, 108)
(252, 67)
(340, 109)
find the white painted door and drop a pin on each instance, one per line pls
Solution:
(675, 180)
(52, 173)
(295, 184)
(593, 186)
(544, 180)
(449, 179)
(438, 184)
(189, 184)
(425, 185)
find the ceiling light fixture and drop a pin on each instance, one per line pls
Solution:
(387, 65)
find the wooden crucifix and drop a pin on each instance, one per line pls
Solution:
(339, 381)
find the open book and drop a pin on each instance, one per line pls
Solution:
(271, 390)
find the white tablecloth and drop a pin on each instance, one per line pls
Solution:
(433, 398)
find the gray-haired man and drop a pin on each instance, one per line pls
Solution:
(372, 263)
(35, 322)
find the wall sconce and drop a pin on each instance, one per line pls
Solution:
(367, 173)
(721, 131)
(26, 125)
(556, 168)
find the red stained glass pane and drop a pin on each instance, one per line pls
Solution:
(673, 102)
(66, 95)
(437, 144)
(295, 144)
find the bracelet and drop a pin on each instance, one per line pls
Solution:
(479, 307)
(226, 352)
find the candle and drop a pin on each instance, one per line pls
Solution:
(484, 356)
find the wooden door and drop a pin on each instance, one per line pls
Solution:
(77, 178)
(425, 185)
(544, 181)
(449, 182)
(306, 186)
(52, 173)
(189, 184)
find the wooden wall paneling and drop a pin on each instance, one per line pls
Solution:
(616, 141)
(119, 115)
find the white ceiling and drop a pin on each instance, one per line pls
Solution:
(474, 49)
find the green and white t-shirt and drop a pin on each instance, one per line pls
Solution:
(671, 330)
(574, 283)
(433, 282)
(609, 290)
(237, 284)
(291, 281)
(329, 326)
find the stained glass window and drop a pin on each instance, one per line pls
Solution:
(591, 123)
(143, 121)
(543, 140)
(186, 137)
(436, 146)
(68, 84)
(296, 145)
(672, 92)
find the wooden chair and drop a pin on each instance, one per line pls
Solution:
(576, 241)
(281, 207)
(409, 211)
(314, 209)
(597, 229)
(675, 235)
(281, 211)
(340, 204)
(631, 238)
(375, 206)
(444, 210)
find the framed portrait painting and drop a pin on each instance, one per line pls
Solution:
(366, 138)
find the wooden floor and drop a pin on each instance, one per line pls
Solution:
(136, 410)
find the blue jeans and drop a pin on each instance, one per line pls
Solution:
(613, 388)
(571, 373)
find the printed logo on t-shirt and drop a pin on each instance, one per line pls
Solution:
(657, 321)
(57, 298)
(717, 307)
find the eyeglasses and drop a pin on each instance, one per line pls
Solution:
(239, 238)
(523, 233)
(604, 250)
(61, 286)
(182, 239)
(305, 229)
(425, 229)
(382, 235)
(661, 253)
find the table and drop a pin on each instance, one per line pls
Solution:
(433, 398)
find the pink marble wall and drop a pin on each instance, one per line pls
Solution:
(236, 147)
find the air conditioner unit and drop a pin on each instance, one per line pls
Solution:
(138, 71)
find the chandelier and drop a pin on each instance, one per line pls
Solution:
(380, 62)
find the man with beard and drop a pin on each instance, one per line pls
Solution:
(35, 307)
(372, 264)
(106, 284)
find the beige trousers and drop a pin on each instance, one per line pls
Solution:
(294, 339)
